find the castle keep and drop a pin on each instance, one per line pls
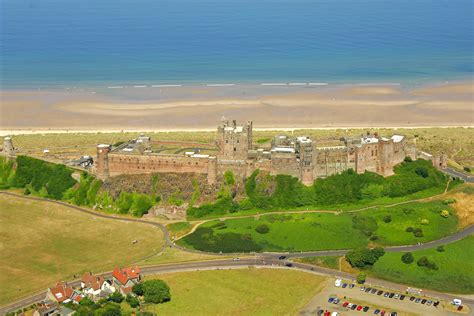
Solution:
(296, 156)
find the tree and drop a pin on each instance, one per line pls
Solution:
(116, 297)
(132, 301)
(418, 232)
(409, 229)
(229, 178)
(137, 289)
(467, 169)
(425, 262)
(111, 309)
(407, 258)
(262, 229)
(440, 248)
(86, 302)
(422, 172)
(361, 278)
(156, 291)
(387, 219)
(408, 159)
(364, 257)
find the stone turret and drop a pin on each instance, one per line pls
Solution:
(102, 162)
(8, 148)
(234, 141)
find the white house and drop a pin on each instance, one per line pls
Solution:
(96, 286)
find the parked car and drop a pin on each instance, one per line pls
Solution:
(391, 295)
(402, 297)
(331, 299)
(377, 311)
(393, 314)
(236, 259)
(423, 301)
(338, 283)
(367, 289)
(418, 300)
(412, 298)
(353, 306)
(336, 301)
(386, 294)
(362, 288)
(373, 291)
(366, 309)
(282, 257)
(460, 308)
(382, 313)
(435, 304)
(288, 264)
(359, 307)
(344, 285)
(345, 304)
(380, 292)
(350, 305)
(351, 285)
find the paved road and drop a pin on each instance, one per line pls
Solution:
(268, 258)
(258, 261)
(458, 174)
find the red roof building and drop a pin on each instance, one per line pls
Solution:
(126, 278)
(63, 293)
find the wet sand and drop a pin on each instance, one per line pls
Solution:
(200, 108)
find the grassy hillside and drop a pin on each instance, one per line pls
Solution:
(42, 243)
(454, 274)
(322, 231)
(238, 292)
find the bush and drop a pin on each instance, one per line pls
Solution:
(467, 169)
(449, 201)
(363, 257)
(407, 258)
(408, 159)
(409, 229)
(444, 213)
(440, 248)
(387, 219)
(229, 178)
(361, 278)
(424, 221)
(262, 229)
(421, 171)
(137, 289)
(116, 297)
(132, 301)
(426, 263)
(156, 291)
(418, 232)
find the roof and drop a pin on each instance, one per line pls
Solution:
(303, 139)
(126, 274)
(397, 138)
(283, 149)
(369, 140)
(61, 292)
(92, 281)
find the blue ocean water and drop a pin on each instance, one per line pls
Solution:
(61, 43)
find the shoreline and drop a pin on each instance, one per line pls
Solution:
(13, 132)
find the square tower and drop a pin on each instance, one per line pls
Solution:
(234, 141)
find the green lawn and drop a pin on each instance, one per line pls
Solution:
(323, 231)
(238, 292)
(331, 262)
(42, 243)
(455, 273)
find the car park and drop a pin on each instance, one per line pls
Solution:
(380, 292)
(423, 301)
(366, 309)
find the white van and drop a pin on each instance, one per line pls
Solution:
(338, 283)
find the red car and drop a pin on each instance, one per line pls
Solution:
(382, 313)
(345, 304)
(359, 307)
(327, 313)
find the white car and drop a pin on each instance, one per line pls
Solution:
(334, 313)
(457, 302)
(338, 283)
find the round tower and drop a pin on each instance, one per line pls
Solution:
(8, 146)
(102, 161)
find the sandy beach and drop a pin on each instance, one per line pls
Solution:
(200, 108)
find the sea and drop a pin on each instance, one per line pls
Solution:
(46, 44)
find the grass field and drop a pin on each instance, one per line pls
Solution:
(458, 143)
(323, 231)
(238, 292)
(42, 243)
(455, 273)
(173, 255)
(331, 262)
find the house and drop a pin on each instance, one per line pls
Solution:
(125, 278)
(46, 308)
(96, 286)
(63, 293)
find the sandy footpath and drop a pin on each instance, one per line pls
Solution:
(189, 108)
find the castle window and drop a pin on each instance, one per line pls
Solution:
(235, 148)
(238, 141)
(226, 141)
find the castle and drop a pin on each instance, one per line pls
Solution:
(298, 157)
